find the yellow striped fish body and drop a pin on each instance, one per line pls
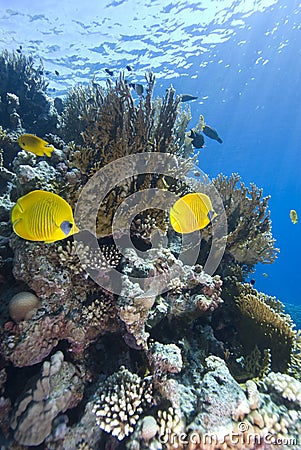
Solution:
(43, 216)
(192, 212)
(34, 144)
(294, 216)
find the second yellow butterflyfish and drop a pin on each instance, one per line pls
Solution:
(43, 216)
(294, 216)
(34, 144)
(192, 212)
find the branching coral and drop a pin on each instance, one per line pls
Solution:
(82, 103)
(171, 428)
(23, 100)
(114, 127)
(281, 384)
(249, 238)
(16, 69)
(258, 420)
(122, 399)
(80, 256)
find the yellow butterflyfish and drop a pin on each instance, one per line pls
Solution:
(294, 216)
(34, 144)
(43, 216)
(192, 212)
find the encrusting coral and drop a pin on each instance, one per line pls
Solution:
(164, 353)
(58, 389)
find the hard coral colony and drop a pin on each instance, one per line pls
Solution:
(196, 359)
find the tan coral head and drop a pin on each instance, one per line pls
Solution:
(23, 305)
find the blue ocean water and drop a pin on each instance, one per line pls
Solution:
(242, 60)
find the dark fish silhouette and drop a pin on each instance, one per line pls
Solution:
(212, 133)
(138, 88)
(109, 72)
(187, 98)
(252, 281)
(57, 73)
(197, 139)
(128, 68)
(19, 50)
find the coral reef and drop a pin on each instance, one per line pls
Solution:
(164, 356)
(24, 104)
(270, 330)
(113, 127)
(249, 237)
(58, 389)
(122, 399)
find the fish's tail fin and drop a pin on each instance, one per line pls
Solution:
(48, 149)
